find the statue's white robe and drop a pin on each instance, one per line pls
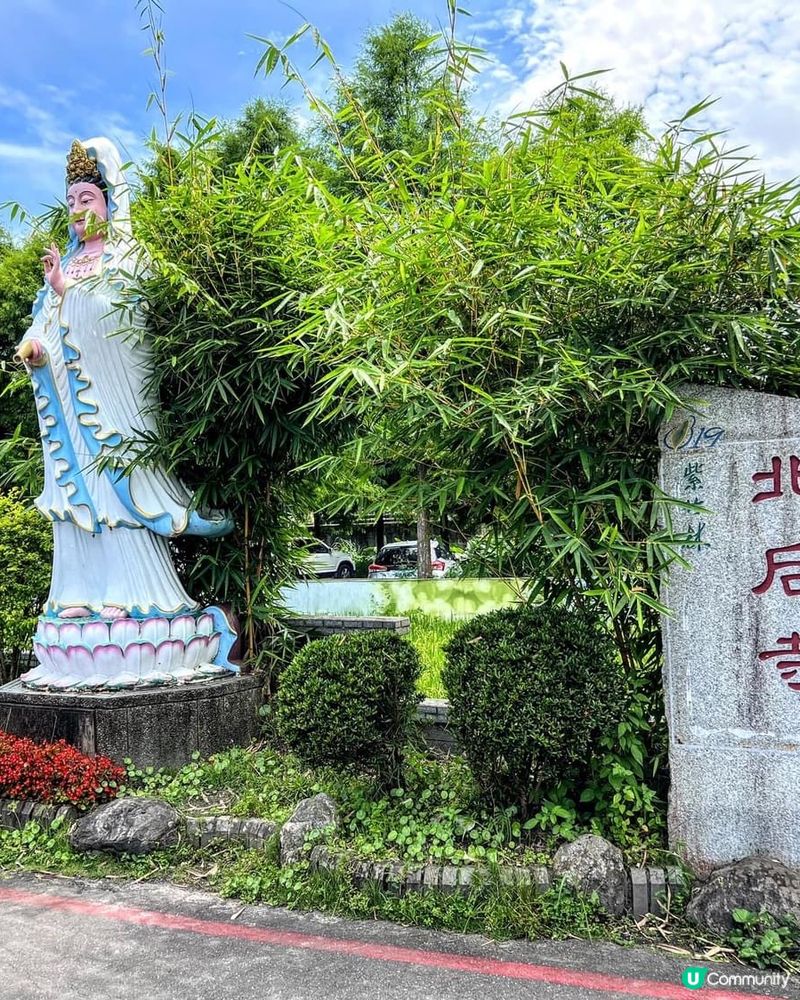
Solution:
(110, 529)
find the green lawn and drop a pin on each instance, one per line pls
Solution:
(428, 636)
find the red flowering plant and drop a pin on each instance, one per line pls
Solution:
(55, 772)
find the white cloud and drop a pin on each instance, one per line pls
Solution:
(667, 55)
(30, 154)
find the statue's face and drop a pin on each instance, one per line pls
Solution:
(84, 199)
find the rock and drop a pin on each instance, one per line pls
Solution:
(753, 884)
(317, 813)
(127, 826)
(591, 864)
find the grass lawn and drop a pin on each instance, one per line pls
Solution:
(428, 635)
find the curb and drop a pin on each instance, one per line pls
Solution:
(252, 833)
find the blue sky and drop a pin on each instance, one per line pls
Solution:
(76, 70)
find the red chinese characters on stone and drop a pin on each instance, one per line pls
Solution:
(775, 478)
(788, 667)
(782, 563)
(776, 567)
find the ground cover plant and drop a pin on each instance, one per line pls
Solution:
(493, 906)
(436, 814)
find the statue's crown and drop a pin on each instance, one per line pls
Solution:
(82, 167)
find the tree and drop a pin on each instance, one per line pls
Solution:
(263, 129)
(20, 280)
(229, 251)
(393, 81)
(522, 319)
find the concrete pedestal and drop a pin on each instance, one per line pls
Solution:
(155, 727)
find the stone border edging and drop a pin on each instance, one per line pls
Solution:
(648, 889)
(317, 626)
(201, 831)
(647, 892)
(15, 813)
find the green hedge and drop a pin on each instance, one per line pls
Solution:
(531, 690)
(350, 700)
(25, 557)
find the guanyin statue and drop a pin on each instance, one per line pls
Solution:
(117, 614)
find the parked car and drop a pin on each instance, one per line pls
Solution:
(322, 560)
(399, 559)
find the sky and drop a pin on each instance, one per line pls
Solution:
(79, 70)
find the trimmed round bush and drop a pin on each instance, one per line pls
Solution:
(531, 690)
(349, 700)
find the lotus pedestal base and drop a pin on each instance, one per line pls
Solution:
(154, 727)
(90, 654)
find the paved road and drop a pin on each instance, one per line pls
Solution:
(72, 939)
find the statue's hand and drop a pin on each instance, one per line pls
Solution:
(53, 274)
(31, 353)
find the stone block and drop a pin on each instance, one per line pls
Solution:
(431, 876)
(733, 644)
(395, 877)
(225, 828)
(465, 877)
(449, 879)
(515, 875)
(26, 812)
(256, 832)
(193, 831)
(379, 873)
(640, 896)
(658, 890)
(540, 878)
(66, 815)
(208, 834)
(414, 880)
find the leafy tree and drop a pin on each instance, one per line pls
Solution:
(521, 320)
(394, 82)
(228, 252)
(20, 280)
(25, 549)
(263, 129)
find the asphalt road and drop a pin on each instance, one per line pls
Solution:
(72, 939)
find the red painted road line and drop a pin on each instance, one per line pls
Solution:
(552, 974)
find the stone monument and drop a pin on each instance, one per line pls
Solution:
(117, 619)
(732, 644)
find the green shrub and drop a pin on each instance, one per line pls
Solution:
(25, 550)
(532, 690)
(349, 700)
